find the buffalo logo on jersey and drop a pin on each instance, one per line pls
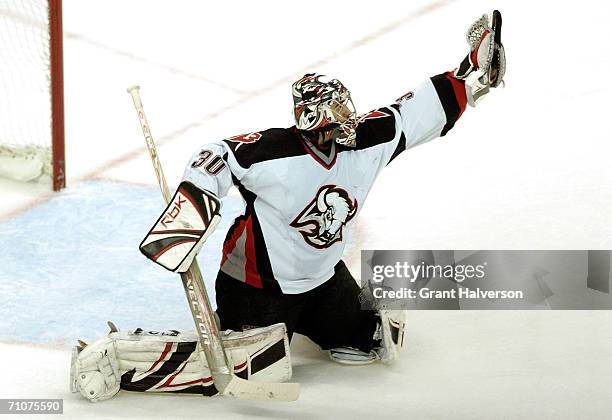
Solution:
(322, 221)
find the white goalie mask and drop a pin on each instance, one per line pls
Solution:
(325, 105)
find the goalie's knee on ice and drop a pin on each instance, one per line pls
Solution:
(390, 332)
(387, 341)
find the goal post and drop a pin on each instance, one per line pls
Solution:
(56, 47)
(32, 92)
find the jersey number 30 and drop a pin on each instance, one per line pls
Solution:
(213, 164)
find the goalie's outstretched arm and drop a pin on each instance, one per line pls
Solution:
(432, 109)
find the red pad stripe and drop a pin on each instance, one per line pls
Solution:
(168, 382)
(164, 250)
(187, 231)
(192, 201)
(195, 381)
(240, 366)
(161, 357)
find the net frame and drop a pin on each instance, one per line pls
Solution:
(56, 47)
(33, 140)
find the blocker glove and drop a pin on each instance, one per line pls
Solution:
(183, 227)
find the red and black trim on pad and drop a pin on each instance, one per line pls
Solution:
(163, 378)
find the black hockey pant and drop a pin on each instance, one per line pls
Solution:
(330, 315)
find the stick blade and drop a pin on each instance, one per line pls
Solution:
(250, 390)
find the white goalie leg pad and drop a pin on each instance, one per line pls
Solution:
(179, 233)
(94, 370)
(391, 333)
(172, 361)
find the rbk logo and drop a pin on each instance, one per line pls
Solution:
(322, 221)
(173, 213)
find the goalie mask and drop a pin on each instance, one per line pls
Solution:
(325, 105)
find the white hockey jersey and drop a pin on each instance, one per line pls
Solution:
(301, 200)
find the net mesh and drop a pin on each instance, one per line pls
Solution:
(25, 89)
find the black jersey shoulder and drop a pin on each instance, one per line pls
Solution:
(453, 108)
(261, 146)
(376, 127)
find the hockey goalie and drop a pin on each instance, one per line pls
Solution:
(281, 271)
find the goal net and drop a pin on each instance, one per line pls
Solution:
(31, 91)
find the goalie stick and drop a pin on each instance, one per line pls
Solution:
(203, 316)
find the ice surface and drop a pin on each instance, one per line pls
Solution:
(528, 169)
(77, 265)
(456, 365)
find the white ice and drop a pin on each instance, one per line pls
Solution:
(527, 169)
